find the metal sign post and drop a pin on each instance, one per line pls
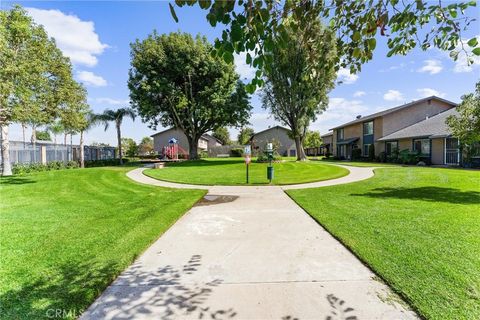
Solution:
(247, 152)
(270, 159)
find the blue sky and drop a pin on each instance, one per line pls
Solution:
(96, 36)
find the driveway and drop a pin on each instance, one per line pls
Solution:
(247, 253)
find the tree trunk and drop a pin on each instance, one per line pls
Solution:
(34, 142)
(71, 146)
(82, 156)
(6, 166)
(119, 141)
(300, 152)
(193, 148)
(23, 132)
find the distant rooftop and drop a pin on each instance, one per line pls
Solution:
(385, 112)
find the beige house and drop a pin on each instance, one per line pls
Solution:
(277, 135)
(367, 130)
(161, 139)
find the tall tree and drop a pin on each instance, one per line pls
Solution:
(146, 146)
(466, 126)
(244, 135)
(296, 86)
(313, 139)
(129, 147)
(252, 26)
(55, 129)
(34, 75)
(117, 117)
(223, 135)
(176, 82)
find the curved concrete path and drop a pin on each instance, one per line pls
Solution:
(356, 174)
(248, 253)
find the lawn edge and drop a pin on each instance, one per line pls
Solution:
(406, 299)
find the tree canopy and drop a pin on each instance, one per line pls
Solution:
(223, 135)
(296, 87)
(176, 82)
(245, 134)
(252, 26)
(36, 80)
(312, 139)
(466, 126)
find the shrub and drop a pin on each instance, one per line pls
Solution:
(356, 154)
(55, 165)
(19, 168)
(203, 154)
(103, 163)
(328, 155)
(236, 152)
(407, 157)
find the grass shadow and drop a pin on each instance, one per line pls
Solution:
(431, 194)
(16, 180)
(205, 163)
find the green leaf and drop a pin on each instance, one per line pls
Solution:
(356, 53)
(356, 36)
(249, 58)
(172, 12)
(236, 32)
(205, 4)
(372, 43)
(250, 88)
(453, 13)
(476, 51)
(472, 42)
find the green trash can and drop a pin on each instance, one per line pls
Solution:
(270, 173)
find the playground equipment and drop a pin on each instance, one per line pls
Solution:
(172, 151)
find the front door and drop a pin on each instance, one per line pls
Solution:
(452, 152)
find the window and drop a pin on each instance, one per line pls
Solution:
(367, 128)
(422, 146)
(340, 134)
(365, 149)
(391, 147)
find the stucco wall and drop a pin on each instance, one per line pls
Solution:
(438, 151)
(327, 139)
(404, 144)
(406, 117)
(274, 134)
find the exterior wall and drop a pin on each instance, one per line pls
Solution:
(213, 143)
(161, 139)
(377, 133)
(327, 139)
(438, 151)
(406, 117)
(405, 144)
(275, 134)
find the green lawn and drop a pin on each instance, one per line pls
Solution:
(360, 163)
(418, 228)
(65, 235)
(232, 172)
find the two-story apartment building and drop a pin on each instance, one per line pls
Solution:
(367, 130)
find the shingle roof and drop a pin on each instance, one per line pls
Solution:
(434, 127)
(327, 134)
(385, 112)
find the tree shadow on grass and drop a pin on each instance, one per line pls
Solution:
(63, 291)
(164, 293)
(205, 163)
(16, 180)
(432, 194)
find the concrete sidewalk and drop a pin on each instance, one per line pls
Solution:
(247, 253)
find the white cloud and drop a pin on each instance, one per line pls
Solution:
(461, 65)
(76, 38)
(394, 67)
(360, 93)
(428, 92)
(245, 71)
(114, 102)
(431, 66)
(393, 95)
(346, 77)
(91, 79)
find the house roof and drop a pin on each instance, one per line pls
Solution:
(347, 141)
(327, 134)
(394, 109)
(433, 127)
(268, 129)
(210, 137)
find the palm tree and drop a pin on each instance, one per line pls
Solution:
(116, 116)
